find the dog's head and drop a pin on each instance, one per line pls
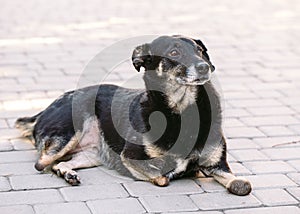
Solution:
(178, 59)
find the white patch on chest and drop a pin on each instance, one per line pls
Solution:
(180, 96)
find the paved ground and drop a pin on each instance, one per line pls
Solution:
(255, 46)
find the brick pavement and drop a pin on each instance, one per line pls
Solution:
(253, 43)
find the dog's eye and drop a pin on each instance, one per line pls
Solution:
(47, 143)
(174, 53)
(199, 51)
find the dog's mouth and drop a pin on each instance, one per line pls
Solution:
(193, 80)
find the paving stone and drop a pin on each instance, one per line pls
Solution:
(273, 131)
(18, 156)
(84, 193)
(232, 122)
(30, 197)
(22, 145)
(295, 191)
(282, 153)
(171, 203)
(198, 212)
(263, 167)
(241, 143)
(277, 142)
(269, 120)
(17, 209)
(255, 103)
(266, 210)
(3, 124)
(295, 164)
(273, 197)
(275, 110)
(74, 208)
(122, 205)
(238, 169)
(270, 181)
(5, 146)
(295, 177)
(4, 184)
(223, 200)
(91, 176)
(248, 155)
(39, 181)
(243, 132)
(177, 187)
(210, 185)
(8, 169)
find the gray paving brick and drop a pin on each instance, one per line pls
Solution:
(263, 167)
(266, 210)
(275, 110)
(248, 155)
(295, 177)
(269, 120)
(199, 212)
(121, 205)
(91, 176)
(277, 142)
(18, 156)
(22, 145)
(74, 208)
(241, 143)
(282, 153)
(4, 184)
(5, 146)
(17, 209)
(30, 197)
(243, 132)
(171, 203)
(295, 164)
(84, 193)
(272, 131)
(38, 181)
(270, 181)
(210, 185)
(183, 186)
(295, 191)
(255, 103)
(273, 197)
(8, 169)
(223, 200)
(239, 169)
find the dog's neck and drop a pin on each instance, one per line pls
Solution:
(170, 94)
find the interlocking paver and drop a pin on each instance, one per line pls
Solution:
(248, 155)
(267, 210)
(171, 203)
(262, 167)
(74, 208)
(30, 197)
(83, 193)
(120, 205)
(4, 184)
(271, 197)
(38, 181)
(19, 168)
(223, 200)
(175, 187)
(270, 181)
(18, 209)
(282, 153)
(18, 156)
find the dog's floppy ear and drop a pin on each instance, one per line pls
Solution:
(204, 52)
(141, 56)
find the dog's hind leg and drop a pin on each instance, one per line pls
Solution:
(84, 159)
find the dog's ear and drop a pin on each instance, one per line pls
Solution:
(204, 52)
(141, 56)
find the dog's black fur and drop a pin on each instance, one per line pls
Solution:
(93, 121)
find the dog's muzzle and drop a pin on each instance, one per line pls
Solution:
(197, 74)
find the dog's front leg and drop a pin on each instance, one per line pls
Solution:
(142, 166)
(222, 174)
(83, 159)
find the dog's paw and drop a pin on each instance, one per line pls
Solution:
(161, 181)
(239, 187)
(72, 178)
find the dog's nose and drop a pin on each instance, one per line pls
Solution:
(202, 67)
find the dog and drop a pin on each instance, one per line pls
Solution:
(169, 130)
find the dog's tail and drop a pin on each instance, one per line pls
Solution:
(26, 125)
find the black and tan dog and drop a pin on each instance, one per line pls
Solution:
(122, 129)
